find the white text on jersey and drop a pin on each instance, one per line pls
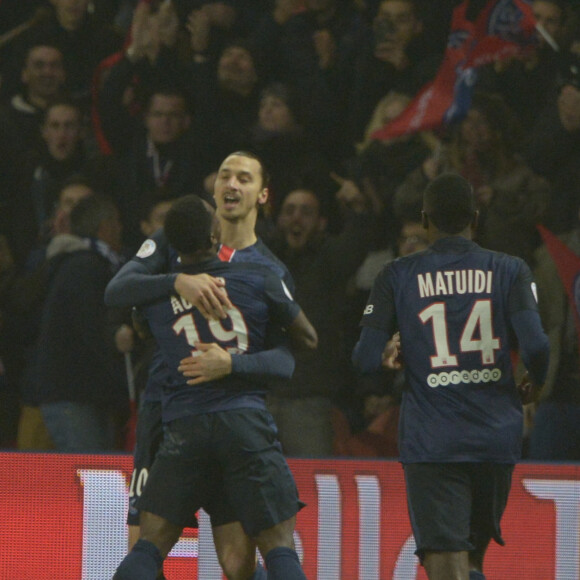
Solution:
(455, 282)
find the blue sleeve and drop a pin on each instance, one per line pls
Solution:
(533, 343)
(283, 308)
(525, 319)
(143, 279)
(134, 285)
(368, 351)
(275, 363)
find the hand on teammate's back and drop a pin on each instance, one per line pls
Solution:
(209, 363)
(205, 292)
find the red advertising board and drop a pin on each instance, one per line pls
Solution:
(63, 516)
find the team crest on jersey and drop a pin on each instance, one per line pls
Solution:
(147, 249)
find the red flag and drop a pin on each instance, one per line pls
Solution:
(504, 28)
(568, 266)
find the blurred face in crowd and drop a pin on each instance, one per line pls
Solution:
(476, 133)
(166, 119)
(299, 219)
(397, 19)
(69, 196)
(275, 115)
(156, 218)
(236, 71)
(239, 188)
(70, 13)
(413, 238)
(550, 16)
(43, 74)
(62, 131)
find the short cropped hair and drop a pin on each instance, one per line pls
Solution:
(449, 202)
(188, 225)
(89, 213)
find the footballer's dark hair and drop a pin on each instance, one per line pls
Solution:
(188, 225)
(449, 202)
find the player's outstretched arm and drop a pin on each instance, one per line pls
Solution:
(134, 285)
(214, 363)
(302, 334)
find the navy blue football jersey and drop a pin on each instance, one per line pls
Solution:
(158, 256)
(259, 298)
(452, 304)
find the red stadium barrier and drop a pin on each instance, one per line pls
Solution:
(63, 517)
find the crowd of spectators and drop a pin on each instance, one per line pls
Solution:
(133, 104)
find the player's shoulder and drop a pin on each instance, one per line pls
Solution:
(402, 263)
(154, 245)
(266, 257)
(507, 261)
(243, 270)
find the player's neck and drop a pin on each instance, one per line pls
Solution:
(237, 235)
(437, 235)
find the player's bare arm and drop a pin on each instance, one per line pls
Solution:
(136, 284)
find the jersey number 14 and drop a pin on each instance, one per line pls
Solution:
(477, 334)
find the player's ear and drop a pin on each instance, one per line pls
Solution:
(424, 220)
(475, 220)
(263, 196)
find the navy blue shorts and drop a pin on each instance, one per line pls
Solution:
(455, 507)
(149, 436)
(229, 463)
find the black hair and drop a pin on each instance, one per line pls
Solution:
(188, 225)
(449, 202)
(88, 214)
